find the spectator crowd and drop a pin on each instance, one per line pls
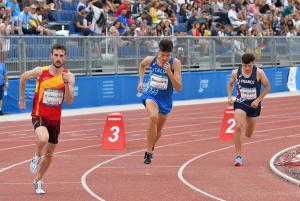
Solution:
(156, 17)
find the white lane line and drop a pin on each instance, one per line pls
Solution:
(140, 167)
(137, 139)
(93, 194)
(197, 189)
(172, 117)
(19, 134)
(279, 173)
(28, 145)
(48, 183)
(32, 131)
(84, 176)
(65, 151)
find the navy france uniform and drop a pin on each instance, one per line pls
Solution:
(248, 89)
(160, 88)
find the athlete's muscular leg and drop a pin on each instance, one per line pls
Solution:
(152, 109)
(251, 122)
(240, 120)
(161, 121)
(46, 161)
(42, 137)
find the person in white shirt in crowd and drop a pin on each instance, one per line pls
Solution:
(99, 17)
(233, 17)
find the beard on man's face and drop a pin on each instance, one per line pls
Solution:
(57, 64)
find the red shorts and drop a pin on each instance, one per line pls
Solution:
(53, 127)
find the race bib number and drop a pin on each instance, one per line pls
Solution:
(159, 82)
(248, 93)
(53, 97)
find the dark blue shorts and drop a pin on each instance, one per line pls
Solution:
(1, 91)
(165, 107)
(251, 112)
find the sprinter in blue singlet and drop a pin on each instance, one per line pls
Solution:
(165, 74)
(248, 100)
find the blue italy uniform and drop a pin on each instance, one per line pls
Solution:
(248, 89)
(160, 88)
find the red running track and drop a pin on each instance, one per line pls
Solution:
(190, 162)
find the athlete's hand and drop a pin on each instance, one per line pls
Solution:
(66, 77)
(167, 67)
(230, 101)
(255, 103)
(140, 87)
(22, 104)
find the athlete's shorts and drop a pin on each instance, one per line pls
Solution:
(164, 107)
(1, 91)
(53, 127)
(251, 112)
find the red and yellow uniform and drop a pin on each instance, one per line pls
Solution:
(49, 95)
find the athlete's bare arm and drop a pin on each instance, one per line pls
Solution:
(34, 73)
(265, 82)
(143, 65)
(230, 86)
(69, 80)
(176, 76)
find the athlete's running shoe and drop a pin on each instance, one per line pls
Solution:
(38, 187)
(34, 164)
(238, 161)
(147, 158)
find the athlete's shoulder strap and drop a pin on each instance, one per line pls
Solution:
(171, 61)
(239, 71)
(45, 68)
(153, 60)
(254, 71)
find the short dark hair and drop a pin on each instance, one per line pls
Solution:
(165, 45)
(98, 4)
(40, 8)
(58, 46)
(81, 8)
(248, 58)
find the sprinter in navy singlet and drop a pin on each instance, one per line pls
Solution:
(247, 105)
(248, 90)
(165, 74)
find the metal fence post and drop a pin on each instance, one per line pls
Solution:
(116, 56)
(87, 56)
(289, 39)
(212, 54)
(273, 53)
(232, 53)
(21, 55)
(188, 54)
(138, 52)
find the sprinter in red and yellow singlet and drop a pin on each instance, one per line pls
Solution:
(49, 95)
(54, 85)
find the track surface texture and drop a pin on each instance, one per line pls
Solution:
(190, 161)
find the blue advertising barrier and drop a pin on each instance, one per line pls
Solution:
(298, 79)
(121, 89)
